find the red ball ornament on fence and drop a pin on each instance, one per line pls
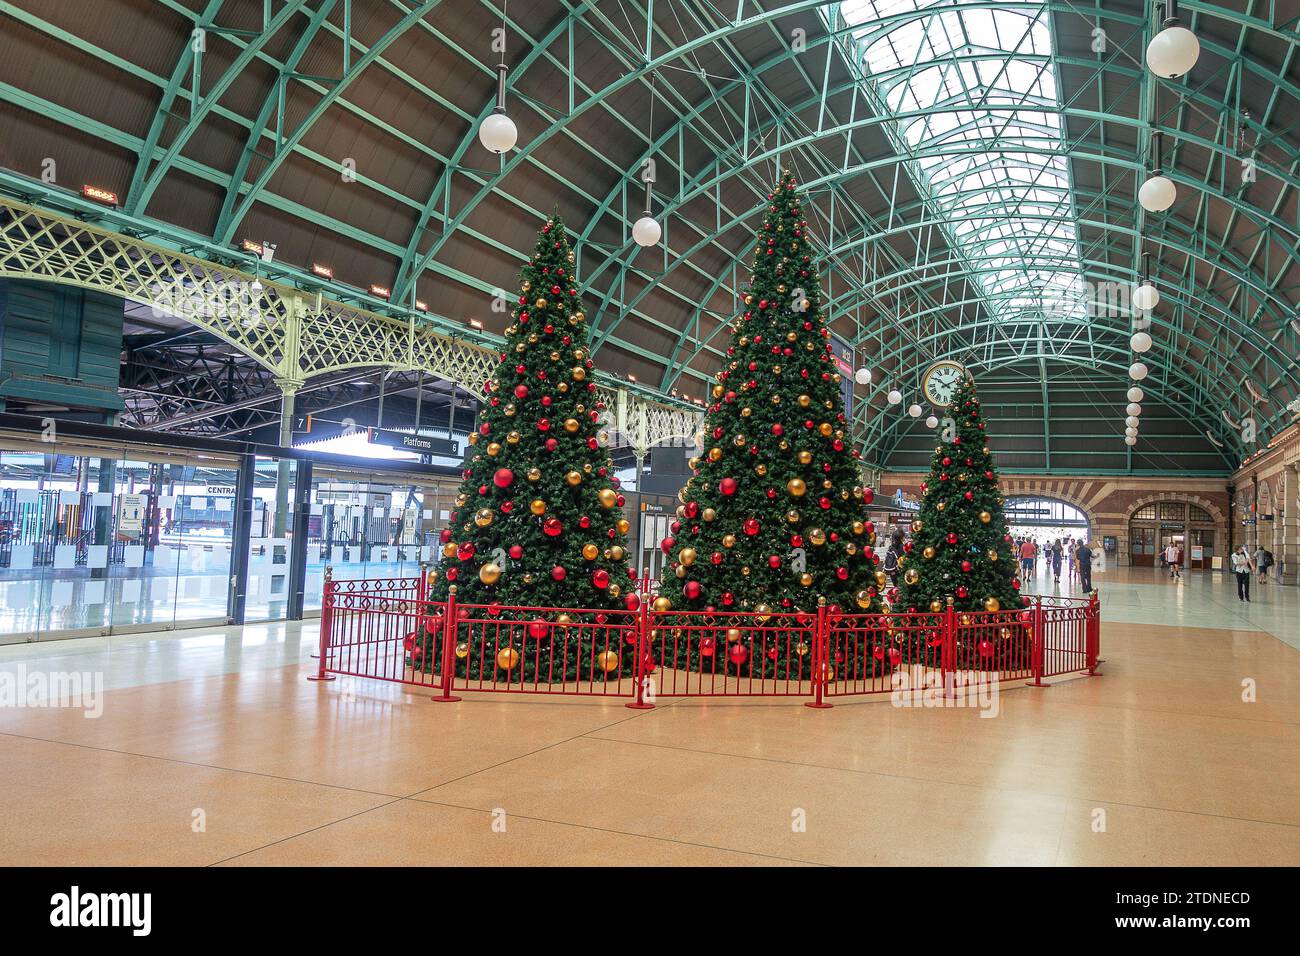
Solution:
(600, 578)
(503, 478)
(558, 573)
(433, 624)
(538, 629)
(986, 648)
(552, 527)
(878, 652)
(738, 654)
(706, 646)
(895, 655)
(727, 486)
(692, 590)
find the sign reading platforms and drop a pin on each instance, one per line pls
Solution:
(420, 444)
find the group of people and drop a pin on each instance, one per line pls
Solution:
(1074, 555)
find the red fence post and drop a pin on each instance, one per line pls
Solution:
(450, 626)
(1094, 634)
(640, 654)
(326, 624)
(948, 651)
(1036, 645)
(821, 638)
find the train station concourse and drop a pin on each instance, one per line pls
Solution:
(487, 434)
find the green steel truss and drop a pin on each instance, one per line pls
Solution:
(986, 120)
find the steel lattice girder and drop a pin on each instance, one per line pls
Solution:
(295, 337)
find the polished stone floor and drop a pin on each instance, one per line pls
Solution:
(210, 747)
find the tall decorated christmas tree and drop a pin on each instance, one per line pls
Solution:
(538, 520)
(772, 519)
(960, 545)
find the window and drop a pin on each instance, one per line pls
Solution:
(1198, 514)
(1145, 513)
(1173, 511)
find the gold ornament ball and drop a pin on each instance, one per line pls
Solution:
(864, 599)
(993, 555)
(796, 487)
(985, 517)
(817, 536)
(928, 552)
(449, 549)
(537, 506)
(570, 425)
(494, 449)
(826, 429)
(483, 517)
(992, 604)
(859, 527)
(911, 576)
(804, 401)
(574, 478)
(760, 469)
(686, 556)
(489, 573)
(608, 497)
(940, 506)
(715, 454)
(806, 579)
(462, 650)
(662, 604)
(762, 612)
(534, 474)
(728, 540)
(579, 373)
(507, 658)
(936, 606)
(608, 661)
(792, 516)
(590, 551)
(564, 619)
(805, 457)
(624, 526)
(616, 552)
(709, 514)
(917, 525)
(881, 579)
(801, 649)
(733, 635)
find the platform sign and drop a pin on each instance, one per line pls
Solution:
(420, 444)
(843, 354)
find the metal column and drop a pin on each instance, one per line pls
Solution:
(237, 597)
(298, 544)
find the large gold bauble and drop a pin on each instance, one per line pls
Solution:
(494, 449)
(760, 469)
(579, 373)
(708, 514)
(805, 457)
(940, 506)
(617, 552)
(864, 599)
(992, 604)
(936, 606)
(728, 540)
(540, 303)
(507, 658)
(911, 576)
(715, 454)
(662, 604)
(563, 619)
(537, 506)
(513, 438)
(806, 579)
(859, 527)
(792, 516)
(449, 549)
(733, 635)
(796, 487)
(817, 536)
(489, 573)
(801, 649)
(570, 425)
(804, 401)
(473, 438)
(607, 661)
(574, 478)
(917, 525)
(985, 517)
(881, 579)
(483, 517)
(739, 441)
(826, 429)
(686, 556)
(462, 650)
(623, 525)
(762, 612)
(718, 391)
(590, 551)
(927, 552)
(608, 497)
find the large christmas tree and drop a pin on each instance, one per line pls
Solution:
(773, 516)
(960, 546)
(538, 519)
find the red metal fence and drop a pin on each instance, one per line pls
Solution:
(388, 630)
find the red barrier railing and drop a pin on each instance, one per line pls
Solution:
(393, 632)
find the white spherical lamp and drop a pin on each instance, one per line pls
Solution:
(1133, 409)
(646, 231)
(862, 376)
(931, 422)
(1173, 51)
(1146, 297)
(1130, 439)
(1131, 422)
(1130, 430)
(1140, 342)
(894, 397)
(498, 133)
(1136, 394)
(1137, 371)
(1157, 194)
(914, 411)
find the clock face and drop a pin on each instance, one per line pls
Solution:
(941, 381)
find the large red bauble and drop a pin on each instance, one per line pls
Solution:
(503, 478)
(552, 527)
(952, 537)
(774, 561)
(521, 391)
(706, 647)
(986, 648)
(558, 572)
(751, 526)
(666, 545)
(552, 444)
(465, 551)
(966, 566)
(692, 590)
(963, 592)
(444, 535)
(738, 654)
(1015, 583)
(537, 629)
(868, 495)
(632, 602)
(600, 578)
(516, 551)
(727, 486)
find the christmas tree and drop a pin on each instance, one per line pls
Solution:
(772, 519)
(538, 519)
(960, 545)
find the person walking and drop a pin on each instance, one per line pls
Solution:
(1264, 561)
(1242, 567)
(1055, 553)
(891, 558)
(1173, 555)
(1026, 559)
(1083, 557)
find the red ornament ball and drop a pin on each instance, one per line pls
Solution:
(692, 590)
(558, 572)
(727, 486)
(552, 527)
(503, 478)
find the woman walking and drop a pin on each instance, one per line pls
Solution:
(1056, 553)
(1242, 567)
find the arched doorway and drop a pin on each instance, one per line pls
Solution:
(1156, 524)
(1045, 519)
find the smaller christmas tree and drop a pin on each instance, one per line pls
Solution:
(960, 547)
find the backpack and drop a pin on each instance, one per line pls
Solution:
(1268, 559)
(891, 560)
